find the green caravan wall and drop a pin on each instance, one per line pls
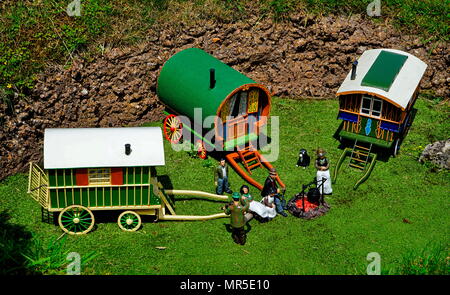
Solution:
(61, 177)
(135, 191)
(104, 196)
(183, 83)
(67, 177)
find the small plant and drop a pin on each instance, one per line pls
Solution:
(207, 163)
(51, 259)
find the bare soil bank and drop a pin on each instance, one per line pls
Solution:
(301, 58)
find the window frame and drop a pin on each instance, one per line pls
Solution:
(371, 111)
(97, 176)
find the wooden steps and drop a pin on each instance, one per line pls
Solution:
(249, 157)
(360, 155)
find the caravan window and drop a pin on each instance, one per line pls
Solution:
(371, 106)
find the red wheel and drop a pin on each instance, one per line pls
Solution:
(201, 150)
(173, 128)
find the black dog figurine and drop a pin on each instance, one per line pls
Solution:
(303, 159)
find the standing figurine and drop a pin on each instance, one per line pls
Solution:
(221, 178)
(271, 189)
(323, 173)
(237, 221)
(303, 159)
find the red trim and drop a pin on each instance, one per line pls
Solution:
(82, 177)
(116, 176)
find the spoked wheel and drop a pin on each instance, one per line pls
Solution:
(76, 220)
(173, 128)
(129, 221)
(201, 150)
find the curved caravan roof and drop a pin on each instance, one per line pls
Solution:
(390, 74)
(102, 147)
(183, 84)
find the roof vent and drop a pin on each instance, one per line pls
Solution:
(127, 149)
(212, 78)
(354, 66)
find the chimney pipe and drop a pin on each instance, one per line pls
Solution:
(354, 66)
(127, 149)
(212, 78)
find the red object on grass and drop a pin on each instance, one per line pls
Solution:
(308, 205)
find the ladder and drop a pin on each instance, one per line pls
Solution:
(360, 155)
(249, 157)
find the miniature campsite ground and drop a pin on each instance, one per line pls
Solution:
(401, 210)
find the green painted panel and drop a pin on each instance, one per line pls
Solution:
(138, 176)
(115, 197)
(123, 196)
(68, 177)
(62, 199)
(51, 177)
(368, 127)
(130, 197)
(384, 70)
(53, 199)
(76, 197)
(183, 83)
(154, 199)
(145, 196)
(145, 174)
(84, 197)
(92, 198)
(363, 138)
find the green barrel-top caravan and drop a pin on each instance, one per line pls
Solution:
(89, 169)
(238, 107)
(376, 103)
(193, 79)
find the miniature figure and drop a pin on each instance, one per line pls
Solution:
(221, 178)
(237, 214)
(247, 198)
(303, 159)
(271, 189)
(322, 165)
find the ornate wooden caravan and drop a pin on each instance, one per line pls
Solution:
(192, 79)
(376, 103)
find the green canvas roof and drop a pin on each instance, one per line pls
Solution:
(384, 70)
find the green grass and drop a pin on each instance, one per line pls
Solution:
(370, 219)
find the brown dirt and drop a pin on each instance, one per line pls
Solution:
(301, 58)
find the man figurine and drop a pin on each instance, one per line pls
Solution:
(323, 173)
(221, 178)
(237, 218)
(271, 189)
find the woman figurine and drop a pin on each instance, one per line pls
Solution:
(260, 210)
(323, 173)
(246, 198)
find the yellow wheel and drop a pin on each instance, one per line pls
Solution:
(76, 220)
(173, 128)
(129, 221)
